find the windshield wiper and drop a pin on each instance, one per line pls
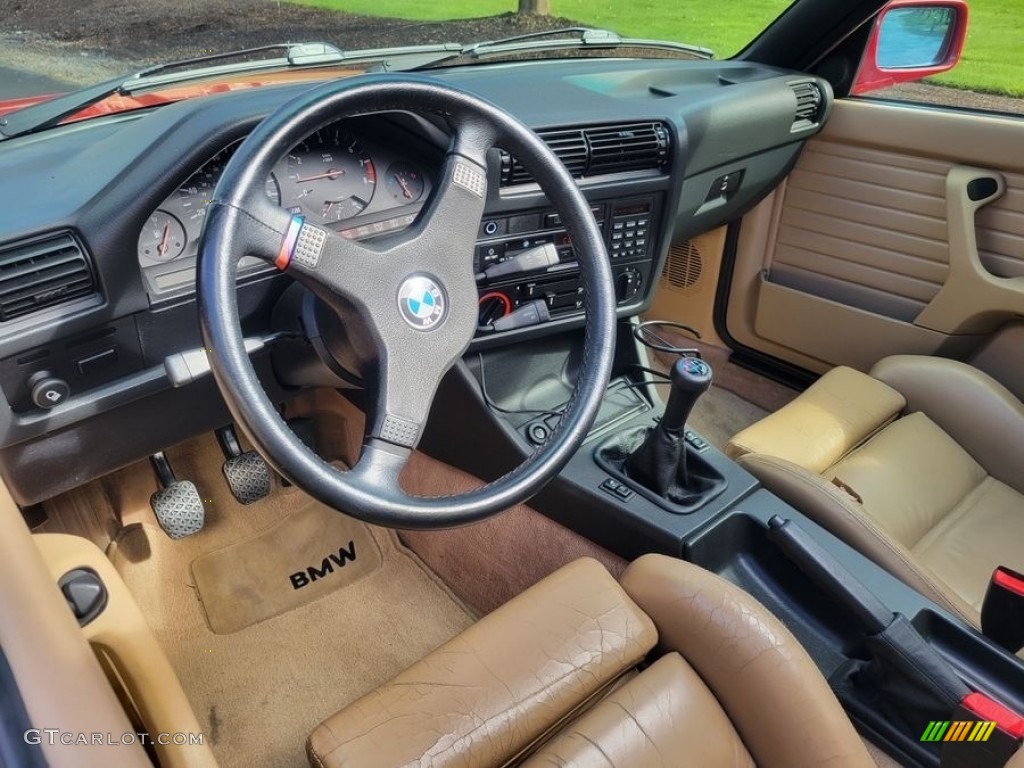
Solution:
(298, 55)
(572, 38)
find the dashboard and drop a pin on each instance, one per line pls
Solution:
(101, 223)
(334, 178)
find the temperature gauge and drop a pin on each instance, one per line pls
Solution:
(162, 238)
(404, 182)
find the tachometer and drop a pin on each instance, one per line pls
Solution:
(329, 177)
(162, 238)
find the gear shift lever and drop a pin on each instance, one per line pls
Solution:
(660, 462)
(691, 378)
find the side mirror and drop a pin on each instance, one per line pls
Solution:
(911, 39)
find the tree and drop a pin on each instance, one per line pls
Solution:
(536, 7)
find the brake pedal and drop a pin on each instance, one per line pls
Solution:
(247, 473)
(177, 505)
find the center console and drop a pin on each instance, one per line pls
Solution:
(897, 661)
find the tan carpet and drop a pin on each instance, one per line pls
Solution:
(259, 692)
(720, 414)
(759, 390)
(305, 557)
(737, 398)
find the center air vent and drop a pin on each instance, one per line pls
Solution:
(809, 101)
(627, 147)
(41, 274)
(569, 146)
(599, 149)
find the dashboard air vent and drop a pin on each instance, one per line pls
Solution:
(809, 101)
(42, 273)
(598, 149)
(636, 146)
(569, 146)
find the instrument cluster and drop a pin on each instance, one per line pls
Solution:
(334, 178)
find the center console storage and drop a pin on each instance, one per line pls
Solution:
(738, 547)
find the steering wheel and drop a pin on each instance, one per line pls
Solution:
(415, 292)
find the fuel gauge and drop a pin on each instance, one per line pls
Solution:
(162, 238)
(404, 182)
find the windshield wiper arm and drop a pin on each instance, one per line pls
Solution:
(573, 37)
(50, 112)
(583, 36)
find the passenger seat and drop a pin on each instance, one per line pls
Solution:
(919, 465)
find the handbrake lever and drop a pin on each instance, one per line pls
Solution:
(907, 680)
(829, 574)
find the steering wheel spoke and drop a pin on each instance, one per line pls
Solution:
(379, 467)
(325, 261)
(449, 225)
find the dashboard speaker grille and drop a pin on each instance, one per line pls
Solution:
(684, 267)
(42, 273)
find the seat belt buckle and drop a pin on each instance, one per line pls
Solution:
(1002, 612)
(982, 734)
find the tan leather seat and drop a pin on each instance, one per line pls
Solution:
(919, 465)
(557, 677)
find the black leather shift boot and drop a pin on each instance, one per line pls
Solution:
(661, 467)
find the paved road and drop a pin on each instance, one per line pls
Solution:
(15, 83)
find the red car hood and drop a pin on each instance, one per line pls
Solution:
(120, 103)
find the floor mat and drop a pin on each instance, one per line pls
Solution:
(259, 692)
(303, 558)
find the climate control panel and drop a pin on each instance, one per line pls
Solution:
(628, 227)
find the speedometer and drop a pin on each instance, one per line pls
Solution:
(194, 196)
(329, 177)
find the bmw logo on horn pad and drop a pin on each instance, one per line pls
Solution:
(422, 303)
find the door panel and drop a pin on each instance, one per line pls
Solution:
(850, 260)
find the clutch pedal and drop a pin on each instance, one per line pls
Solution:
(247, 473)
(177, 505)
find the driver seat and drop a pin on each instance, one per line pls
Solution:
(672, 667)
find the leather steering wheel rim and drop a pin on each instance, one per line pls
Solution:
(241, 220)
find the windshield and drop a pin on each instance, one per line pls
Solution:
(61, 45)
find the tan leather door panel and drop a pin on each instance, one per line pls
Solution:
(850, 260)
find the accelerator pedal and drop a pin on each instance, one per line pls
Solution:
(177, 505)
(247, 473)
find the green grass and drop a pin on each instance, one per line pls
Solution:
(724, 26)
(993, 59)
